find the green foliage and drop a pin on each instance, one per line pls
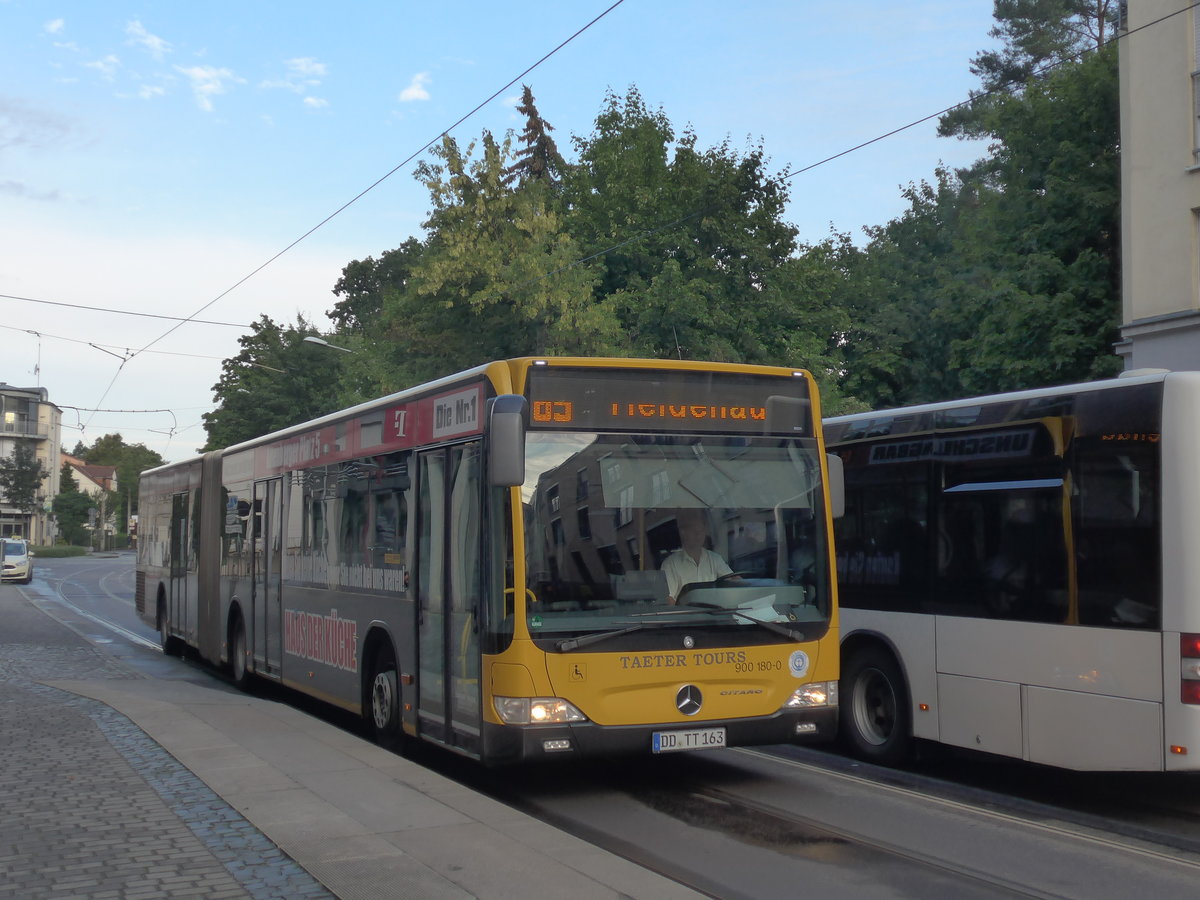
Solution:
(21, 476)
(364, 283)
(277, 380)
(71, 510)
(537, 158)
(1006, 275)
(1035, 36)
(130, 460)
(61, 551)
(997, 277)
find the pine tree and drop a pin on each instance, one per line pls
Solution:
(537, 158)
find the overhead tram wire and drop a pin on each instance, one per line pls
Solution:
(386, 176)
(783, 179)
(359, 195)
(112, 347)
(121, 312)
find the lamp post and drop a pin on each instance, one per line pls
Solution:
(311, 339)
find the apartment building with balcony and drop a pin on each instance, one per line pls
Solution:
(26, 414)
(1160, 184)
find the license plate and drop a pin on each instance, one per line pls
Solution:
(693, 739)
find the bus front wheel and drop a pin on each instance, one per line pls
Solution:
(875, 722)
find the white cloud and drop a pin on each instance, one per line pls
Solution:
(107, 67)
(208, 82)
(416, 88)
(140, 37)
(307, 67)
(54, 26)
(150, 91)
(27, 127)
(303, 73)
(315, 102)
(25, 192)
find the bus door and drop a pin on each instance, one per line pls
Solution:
(180, 539)
(448, 567)
(267, 565)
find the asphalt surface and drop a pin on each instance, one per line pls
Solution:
(117, 785)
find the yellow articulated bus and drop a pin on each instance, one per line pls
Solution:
(535, 558)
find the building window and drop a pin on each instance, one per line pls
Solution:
(1196, 83)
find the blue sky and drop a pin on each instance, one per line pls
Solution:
(153, 154)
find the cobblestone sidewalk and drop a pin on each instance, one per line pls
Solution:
(90, 807)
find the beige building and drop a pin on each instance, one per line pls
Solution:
(1160, 185)
(27, 414)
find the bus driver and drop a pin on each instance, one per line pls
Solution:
(692, 562)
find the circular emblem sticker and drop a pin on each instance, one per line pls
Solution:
(798, 663)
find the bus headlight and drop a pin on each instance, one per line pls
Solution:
(819, 693)
(536, 711)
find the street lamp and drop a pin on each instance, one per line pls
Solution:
(311, 339)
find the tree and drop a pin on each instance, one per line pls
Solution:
(1036, 35)
(895, 293)
(21, 477)
(364, 283)
(1044, 307)
(130, 460)
(537, 158)
(691, 246)
(71, 508)
(481, 289)
(277, 380)
(1004, 275)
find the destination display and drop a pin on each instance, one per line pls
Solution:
(645, 400)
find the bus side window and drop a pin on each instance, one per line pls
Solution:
(352, 532)
(389, 528)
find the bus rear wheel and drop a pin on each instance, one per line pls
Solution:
(169, 644)
(238, 668)
(385, 698)
(875, 722)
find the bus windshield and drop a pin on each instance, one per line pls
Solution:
(629, 532)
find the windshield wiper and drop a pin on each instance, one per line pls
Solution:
(597, 637)
(770, 626)
(576, 643)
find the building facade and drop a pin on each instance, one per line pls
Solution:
(1160, 185)
(26, 414)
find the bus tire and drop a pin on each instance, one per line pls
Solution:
(384, 712)
(169, 644)
(875, 724)
(239, 670)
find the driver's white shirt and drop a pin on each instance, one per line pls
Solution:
(681, 569)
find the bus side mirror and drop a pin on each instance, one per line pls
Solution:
(506, 441)
(837, 485)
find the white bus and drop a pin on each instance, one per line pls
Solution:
(1020, 574)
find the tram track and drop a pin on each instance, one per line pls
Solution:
(759, 799)
(1155, 809)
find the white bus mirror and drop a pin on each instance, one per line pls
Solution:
(506, 441)
(837, 485)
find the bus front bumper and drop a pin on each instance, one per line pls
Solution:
(513, 744)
